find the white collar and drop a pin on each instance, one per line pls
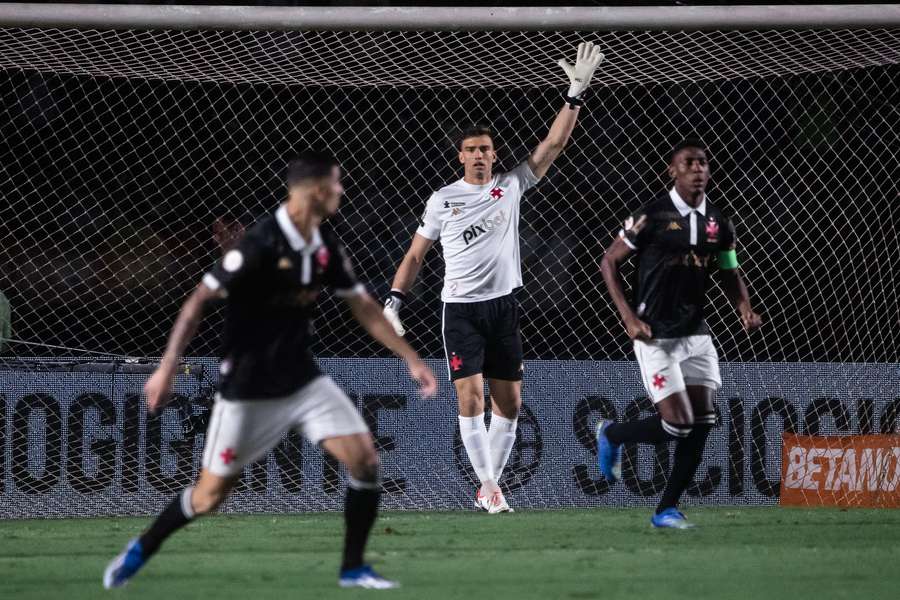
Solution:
(292, 234)
(683, 208)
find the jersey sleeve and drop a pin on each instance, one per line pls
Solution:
(635, 231)
(236, 267)
(340, 276)
(430, 221)
(525, 176)
(728, 246)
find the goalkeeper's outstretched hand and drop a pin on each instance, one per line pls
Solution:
(587, 60)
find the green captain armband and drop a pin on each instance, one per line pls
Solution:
(728, 259)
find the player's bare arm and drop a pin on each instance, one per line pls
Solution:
(588, 58)
(369, 314)
(158, 387)
(736, 290)
(404, 279)
(615, 255)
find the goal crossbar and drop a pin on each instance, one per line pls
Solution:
(673, 18)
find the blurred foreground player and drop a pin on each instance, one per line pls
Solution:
(270, 382)
(477, 220)
(677, 238)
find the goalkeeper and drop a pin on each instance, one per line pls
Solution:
(676, 238)
(477, 220)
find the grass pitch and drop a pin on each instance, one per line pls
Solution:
(607, 554)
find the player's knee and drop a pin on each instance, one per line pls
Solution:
(207, 501)
(471, 403)
(677, 413)
(367, 468)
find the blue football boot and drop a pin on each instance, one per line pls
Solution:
(609, 455)
(671, 518)
(365, 577)
(125, 565)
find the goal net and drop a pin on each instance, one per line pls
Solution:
(131, 157)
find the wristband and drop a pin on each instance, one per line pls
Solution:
(574, 102)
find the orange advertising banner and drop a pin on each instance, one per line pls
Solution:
(847, 471)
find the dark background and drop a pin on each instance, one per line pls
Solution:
(110, 186)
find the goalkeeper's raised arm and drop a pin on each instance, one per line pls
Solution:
(477, 220)
(477, 154)
(589, 57)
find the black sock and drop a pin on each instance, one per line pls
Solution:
(360, 510)
(171, 519)
(688, 455)
(650, 431)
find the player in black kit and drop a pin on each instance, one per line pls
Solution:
(270, 382)
(678, 238)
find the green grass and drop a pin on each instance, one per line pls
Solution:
(758, 553)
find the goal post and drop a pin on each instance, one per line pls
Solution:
(138, 140)
(410, 18)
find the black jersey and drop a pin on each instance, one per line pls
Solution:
(271, 282)
(676, 247)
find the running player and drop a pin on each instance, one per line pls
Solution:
(676, 238)
(270, 382)
(477, 220)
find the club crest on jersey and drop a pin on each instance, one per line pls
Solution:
(322, 257)
(497, 193)
(712, 230)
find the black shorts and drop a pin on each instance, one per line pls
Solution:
(483, 337)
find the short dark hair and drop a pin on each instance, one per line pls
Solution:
(689, 142)
(471, 131)
(310, 164)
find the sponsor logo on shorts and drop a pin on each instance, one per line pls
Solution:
(456, 362)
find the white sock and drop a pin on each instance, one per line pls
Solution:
(475, 438)
(502, 438)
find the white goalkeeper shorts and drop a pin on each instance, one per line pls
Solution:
(669, 365)
(243, 431)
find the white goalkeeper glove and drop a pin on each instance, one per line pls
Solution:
(587, 60)
(392, 310)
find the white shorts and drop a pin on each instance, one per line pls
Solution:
(668, 365)
(242, 431)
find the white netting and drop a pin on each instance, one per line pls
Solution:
(121, 150)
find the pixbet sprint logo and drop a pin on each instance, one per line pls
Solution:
(487, 225)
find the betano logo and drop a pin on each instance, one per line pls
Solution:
(859, 470)
(487, 225)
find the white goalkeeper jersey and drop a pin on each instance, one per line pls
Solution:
(478, 226)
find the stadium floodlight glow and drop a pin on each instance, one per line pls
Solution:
(136, 138)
